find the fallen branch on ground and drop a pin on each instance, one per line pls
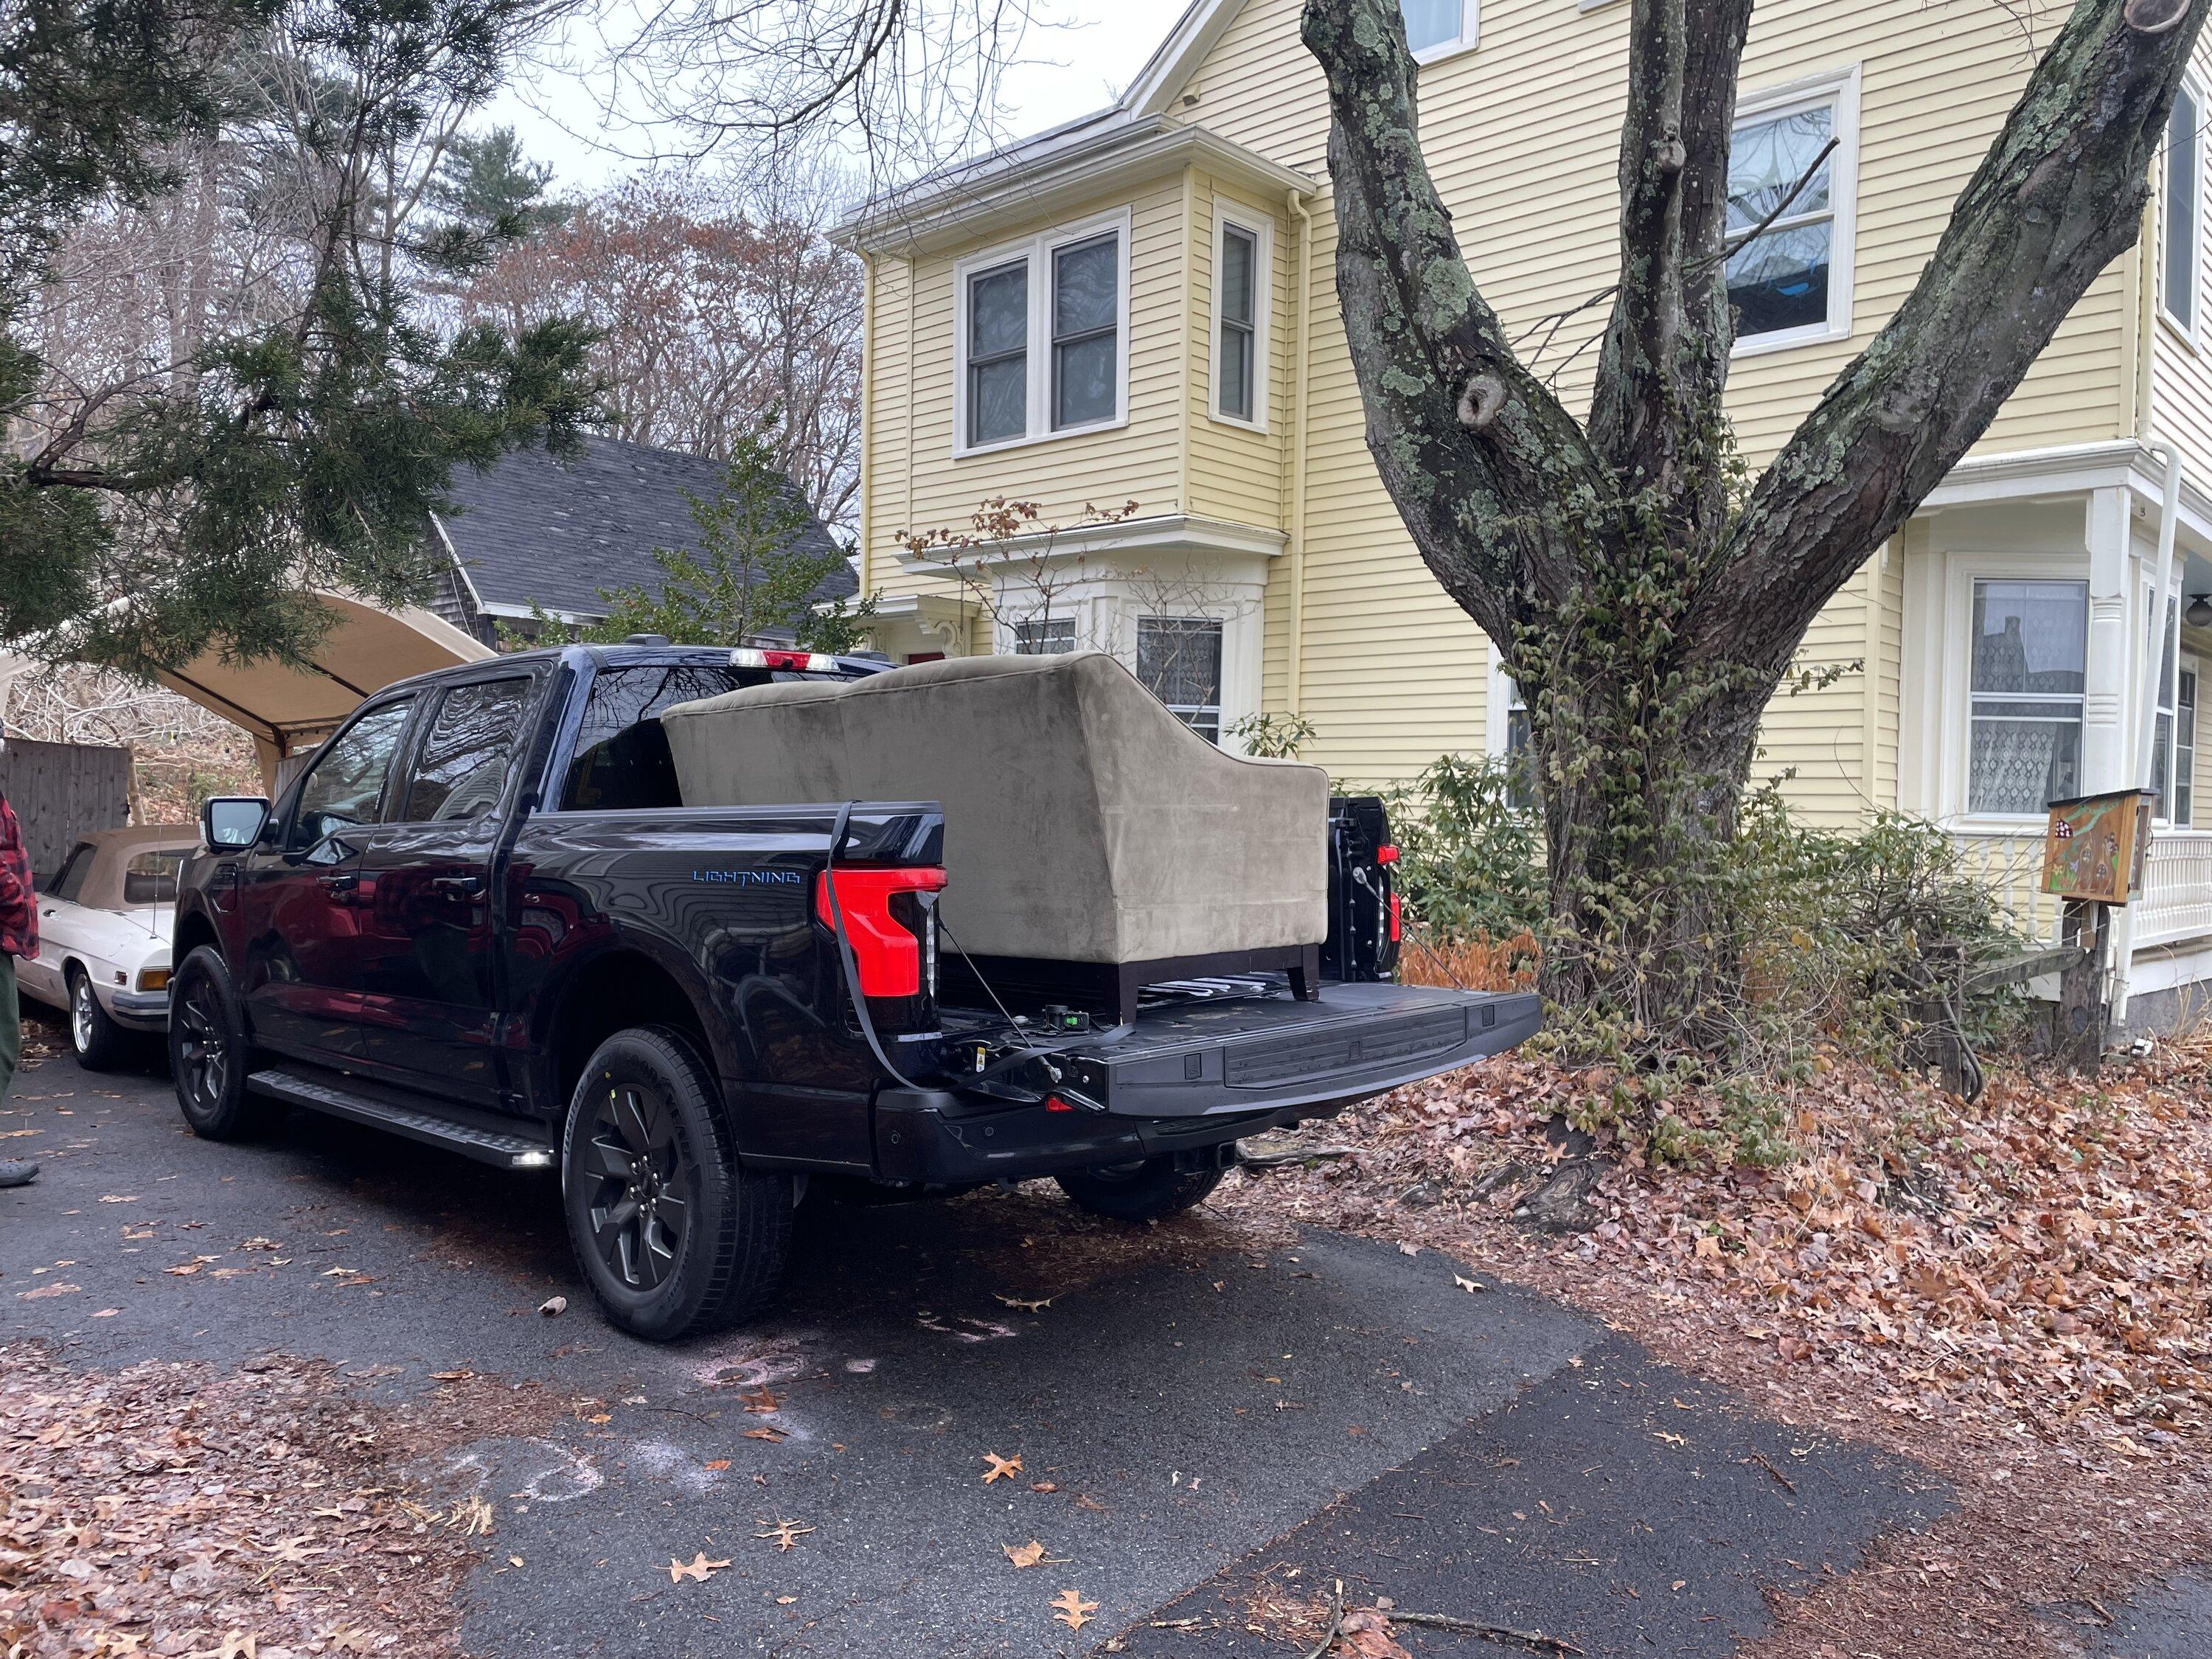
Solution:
(1535, 1641)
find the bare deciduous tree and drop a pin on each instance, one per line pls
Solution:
(714, 310)
(1648, 604)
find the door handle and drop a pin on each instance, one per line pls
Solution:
(467, 887)
(339, 883)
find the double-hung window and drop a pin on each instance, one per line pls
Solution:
(1242, 287)
(1179, 660)
(2173, 732)
(2181, 807)
(999, 354)
(1792, 170)
(1436, 28)
(1043, 337)
(2180, 255)
(2029, 669)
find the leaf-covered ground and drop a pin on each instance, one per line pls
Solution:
(2017, 1292)
(181, 1510)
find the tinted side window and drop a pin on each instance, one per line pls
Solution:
(69, 880)
(343, 788)
(463, 764)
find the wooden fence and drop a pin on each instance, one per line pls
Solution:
(60, 790)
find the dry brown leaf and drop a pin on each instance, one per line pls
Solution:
(1002, 1468)
(1074, 1611)
(698, 1568)
(1024, 1555)
(785, 1534)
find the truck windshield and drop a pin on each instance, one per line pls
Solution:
(622, 762)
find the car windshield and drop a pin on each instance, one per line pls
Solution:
(151, 876)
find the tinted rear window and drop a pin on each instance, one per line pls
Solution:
(622, 762)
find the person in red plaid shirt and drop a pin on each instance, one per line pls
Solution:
(19, 937)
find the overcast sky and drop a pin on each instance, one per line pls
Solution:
(1089, 52)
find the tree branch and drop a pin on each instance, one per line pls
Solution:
(2058, 197)
(1491, 475)
(1656, 411)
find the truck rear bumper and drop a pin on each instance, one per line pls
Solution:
(1192, 1080)
(932, 1138)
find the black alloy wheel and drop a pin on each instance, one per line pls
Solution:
(676, 1236)
(642, 1206)
(209, 1054)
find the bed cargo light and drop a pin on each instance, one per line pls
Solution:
(885, 950)
(806, 662)
(1386, 853)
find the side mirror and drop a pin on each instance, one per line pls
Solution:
(229, 822)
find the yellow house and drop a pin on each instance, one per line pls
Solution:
(1140, 306)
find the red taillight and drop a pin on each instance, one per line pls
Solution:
(1054, 1104)
(1386, 855)
(1393, 918)
(884, 949)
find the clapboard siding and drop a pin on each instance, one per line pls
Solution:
(1521, 135)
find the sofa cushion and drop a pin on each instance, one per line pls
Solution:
(1082, 822)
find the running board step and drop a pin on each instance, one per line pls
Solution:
(348, 1097)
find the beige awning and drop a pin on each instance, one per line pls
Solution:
(286, 709)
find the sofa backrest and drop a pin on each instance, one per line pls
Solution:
(1082, 822)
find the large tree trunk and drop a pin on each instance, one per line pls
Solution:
(1647, 621)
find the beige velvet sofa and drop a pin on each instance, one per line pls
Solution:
(1082, 822)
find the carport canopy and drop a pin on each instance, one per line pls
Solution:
(288, 709)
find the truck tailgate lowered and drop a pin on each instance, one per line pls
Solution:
(1198, 1059)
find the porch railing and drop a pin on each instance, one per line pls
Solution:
(2176, 900)
(2176, 903)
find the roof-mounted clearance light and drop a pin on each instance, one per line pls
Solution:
(806, 662)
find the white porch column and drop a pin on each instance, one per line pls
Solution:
(2107, 746)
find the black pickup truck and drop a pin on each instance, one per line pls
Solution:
(481, 917)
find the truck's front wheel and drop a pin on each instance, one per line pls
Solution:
(1144, 1191)
(675, 1236)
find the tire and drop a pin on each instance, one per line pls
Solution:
(1139, 1192)
(100, 1044)
(209, 1053)
(675, 1236)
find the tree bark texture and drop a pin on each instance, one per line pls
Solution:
(1648, 606)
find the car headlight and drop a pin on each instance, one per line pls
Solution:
(153, 979)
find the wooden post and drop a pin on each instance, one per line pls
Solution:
(2079, 1038)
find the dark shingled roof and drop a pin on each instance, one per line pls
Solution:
(535, 528)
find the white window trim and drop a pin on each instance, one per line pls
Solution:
(1227, 217)
(1963, 570)
(1469, 36)
(1839, 89)
(2170, 693)
(1220, 626)
(1038, 251)
(2193, 332)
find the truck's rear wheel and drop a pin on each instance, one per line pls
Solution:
(675, 1236)
(1144, 1191)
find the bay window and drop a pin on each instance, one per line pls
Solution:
(2028, 672)
(1043, 337)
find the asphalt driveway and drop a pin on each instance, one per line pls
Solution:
(1204, 1419)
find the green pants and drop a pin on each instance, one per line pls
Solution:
(11, 1025)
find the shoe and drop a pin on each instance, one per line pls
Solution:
(17, 1172)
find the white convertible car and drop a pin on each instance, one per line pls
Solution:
(104, 924)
